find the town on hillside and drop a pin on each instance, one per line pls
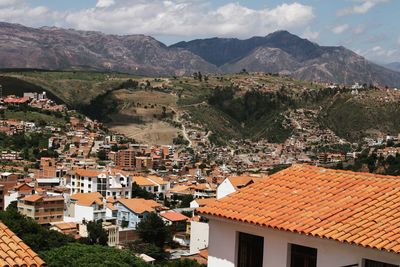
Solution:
(72, 176)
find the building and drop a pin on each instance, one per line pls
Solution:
(125, 159)
(14, 252)
(44, 209)
(201, 202)
(86, 207)
(143, 163)
(112, 233)
(307, 216)
(174, 218)
(205, 191)
(232, 184)
(111, 182)
(199, 234)
(132, 211)
(67, 228)
(2, 197)
(152, 184)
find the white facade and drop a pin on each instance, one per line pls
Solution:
(199, 232)
(13, 196)
(225, 188)
(223, 247)
(116, 185)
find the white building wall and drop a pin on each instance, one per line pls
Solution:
(198, 236)
(225, 188)
(10, 198)
(222, 247)
(83, 212)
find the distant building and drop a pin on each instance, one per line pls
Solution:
(43, 209)
(125, 159)
(232, 184)
(86, 207)
(132, 211)
(111, 182)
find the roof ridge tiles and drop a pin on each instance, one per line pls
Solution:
(332, 204)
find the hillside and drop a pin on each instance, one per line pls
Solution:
(393, 66)
(230, 107)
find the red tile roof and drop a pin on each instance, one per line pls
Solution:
(88, 199)
(139, 205)
(14, 252)
(350, 207)
(174, 216)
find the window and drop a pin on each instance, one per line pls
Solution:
(301, 256)
(371, 263)
(250, 250)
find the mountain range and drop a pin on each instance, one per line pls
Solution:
(393, 66)
(280, 52)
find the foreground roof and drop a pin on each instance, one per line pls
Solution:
(14, 252)
(350, 207)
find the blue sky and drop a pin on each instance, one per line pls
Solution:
(369, 27)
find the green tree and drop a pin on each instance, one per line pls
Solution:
(36, 236)
(80, 255)
(185, 202)
(153, 230)
(96, 234)
(138, 192)
(102, 155)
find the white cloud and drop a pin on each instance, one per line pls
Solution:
(19, 11)
(381, 54)
(398, 41)
(309, 34)
(105, 3)
(190, 17)
(340, 28)
(360, 7)
(359, 29)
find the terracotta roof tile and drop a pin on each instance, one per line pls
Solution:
(88, 199)
(357, 208)
(139, 205)
(174, 216)
(14, 252)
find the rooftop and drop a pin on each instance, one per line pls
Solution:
(174, 216)
(88, 199)
(14, 252)
(139, 205)
(350, 207)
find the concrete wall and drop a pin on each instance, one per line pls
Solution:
(222, 247)
(198, 236)
(83, 212)
(225, 188)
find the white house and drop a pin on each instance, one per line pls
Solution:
(132, 211)
(86, 207)
(232, 184)
(308, 216)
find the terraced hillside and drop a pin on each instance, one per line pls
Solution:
(231, 107)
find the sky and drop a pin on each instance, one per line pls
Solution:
(368, 27)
